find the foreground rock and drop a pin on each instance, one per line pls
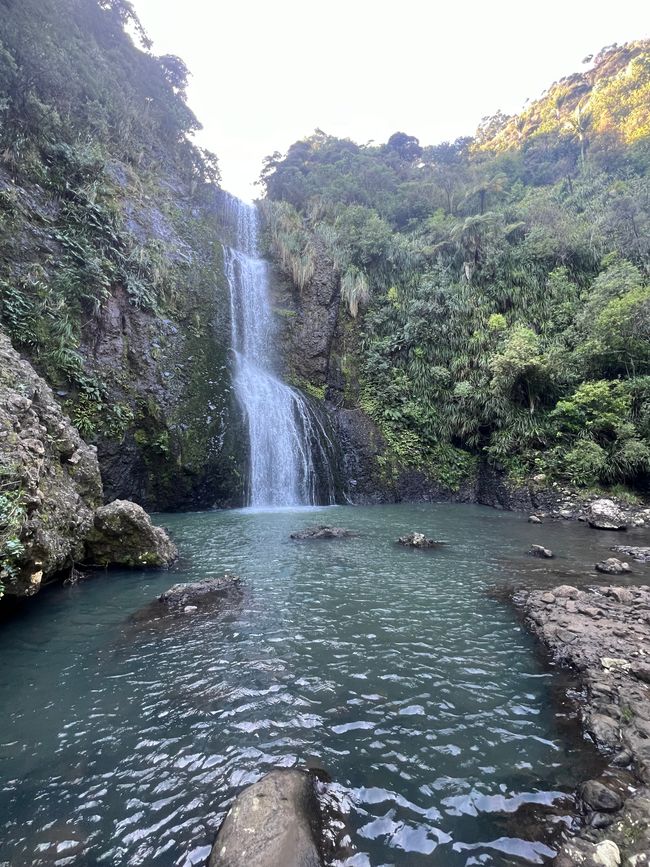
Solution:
(273, 823)
(322, 532)
(606, 515)
(197, 593)
(604, 633)
(418, 540)
(50, 483)
(123, 535)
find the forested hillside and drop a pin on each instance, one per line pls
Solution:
(111, 271)
(497, 296)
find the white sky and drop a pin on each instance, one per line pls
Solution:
(265, 74)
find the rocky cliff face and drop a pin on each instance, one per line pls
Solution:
(51, 489)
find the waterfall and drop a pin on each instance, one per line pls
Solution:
(290, 451)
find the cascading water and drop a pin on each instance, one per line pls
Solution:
(290, 452)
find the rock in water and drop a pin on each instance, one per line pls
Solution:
(612, 566)
(271, 824)
(191, 594)
(541, 551)
(322, 532)
(640, 554)
(418, 540)
(123, 535)
(606, 515)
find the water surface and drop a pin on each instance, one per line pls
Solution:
(123, 743)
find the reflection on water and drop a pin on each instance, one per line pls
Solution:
(123, 742)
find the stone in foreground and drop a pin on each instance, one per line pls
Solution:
(322, 532)
(605, 515)
(418, 540)
(273, 823)
(123, 535)
(190, 595)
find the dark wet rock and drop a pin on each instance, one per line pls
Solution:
(273, 823)
(322, 532)
(418, 540)
(612, 566)
(604, 514)
(195, 593)
(641, 554)
(608, 632)
(123, 535)
(599, 797)
(541, 551)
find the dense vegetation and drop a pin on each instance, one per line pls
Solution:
(497, 287)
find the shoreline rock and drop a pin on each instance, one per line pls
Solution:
(124, 535)
(603, 633)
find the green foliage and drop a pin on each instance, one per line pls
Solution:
(498, 286)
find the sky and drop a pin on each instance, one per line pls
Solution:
(265, 74)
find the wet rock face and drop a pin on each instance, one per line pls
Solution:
(322, 532)
(50, 482)
(273, 823)
(605, 515)
(604, 633)
(123, 535)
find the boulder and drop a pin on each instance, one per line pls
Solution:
(196, 593)
(599, 797)
(272, 823)
(541, 551)
(418, 540)
(612, 566)
(123, 535)
(534, 519)
(605, 515)
(322, 532)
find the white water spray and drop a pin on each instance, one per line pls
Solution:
(290, 452)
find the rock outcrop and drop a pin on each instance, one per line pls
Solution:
(50, 484)
(196, 593)
(612, 566)
(636, 553)
(604, 634)
(273, 823)
(51, 512)
(541, 551)
(123, 535)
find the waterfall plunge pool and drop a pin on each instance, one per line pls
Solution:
(123, 743)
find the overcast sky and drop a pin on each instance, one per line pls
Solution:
(267, 73)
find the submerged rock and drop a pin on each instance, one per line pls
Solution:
(605, 515)
(641, 554)
(612, 566)
(191, 595)
(273, 823)
(322, 532)
(123, 535)
(541, 551)
(418, 540)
